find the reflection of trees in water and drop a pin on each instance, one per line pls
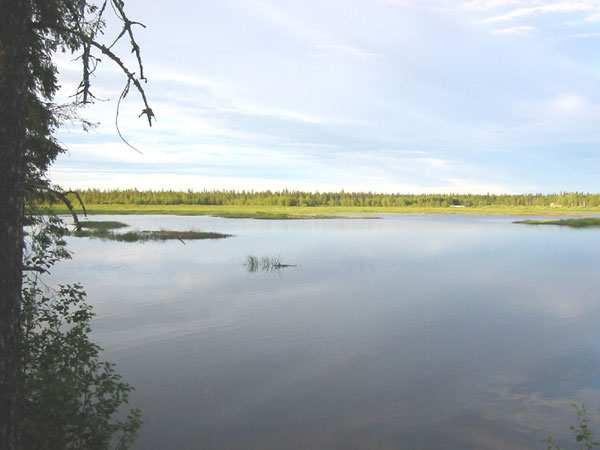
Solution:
(265, 264)
(582, 432)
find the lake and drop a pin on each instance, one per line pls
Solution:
(408, 332)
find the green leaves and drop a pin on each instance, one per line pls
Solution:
(70, 398)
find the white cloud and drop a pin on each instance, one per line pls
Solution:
(317, 38)
(593, 18)
(569, 104)
(584, 35)
(546, 8)
(515, 31)
(346, 50)
(521, 13)
(483, 5)
(81, 179)
(302, 94)
(160, 74)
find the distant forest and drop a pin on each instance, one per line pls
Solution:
(331, 199)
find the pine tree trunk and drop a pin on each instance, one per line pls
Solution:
(15, 28)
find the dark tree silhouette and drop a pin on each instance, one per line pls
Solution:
(31, 33)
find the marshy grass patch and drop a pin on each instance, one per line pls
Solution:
(101, 224)
(149, 235)
(228, 212)
(261, 215)
(584, 222)
(265, 263)
(258, 215)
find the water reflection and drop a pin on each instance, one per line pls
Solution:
(407, 332)
(265, 264)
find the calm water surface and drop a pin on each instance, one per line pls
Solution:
(409, 332)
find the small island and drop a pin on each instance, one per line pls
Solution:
(104, 230)
(584, 222)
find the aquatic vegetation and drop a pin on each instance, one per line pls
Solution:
(265, 263)
(227, 212)
(101, 224)
(147, 235)
(264, 215)
(585, 222)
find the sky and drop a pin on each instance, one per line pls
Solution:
(407, 96)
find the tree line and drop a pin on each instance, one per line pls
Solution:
(287, 198)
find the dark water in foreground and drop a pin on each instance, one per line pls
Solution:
(411, 332)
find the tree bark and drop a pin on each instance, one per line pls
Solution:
(15, 29)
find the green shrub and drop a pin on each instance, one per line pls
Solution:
(70, 399)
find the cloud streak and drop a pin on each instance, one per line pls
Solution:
(515, 31)
(541, 9)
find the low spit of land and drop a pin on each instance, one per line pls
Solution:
(583, 222)
(104, 230)
(317, 212)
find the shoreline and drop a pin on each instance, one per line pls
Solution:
(310, 212)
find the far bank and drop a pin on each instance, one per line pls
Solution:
(314, 212)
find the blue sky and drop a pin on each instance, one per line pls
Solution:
(379, 95)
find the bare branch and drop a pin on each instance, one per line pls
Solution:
(127, 24)
(86, 35)
(34, 269)
(85, 82)
(121, 97)
(147, 111)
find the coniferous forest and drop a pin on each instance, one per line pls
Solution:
(287, 198)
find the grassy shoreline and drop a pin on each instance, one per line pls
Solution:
(104, 230)
(584, 222)
(315, 212)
